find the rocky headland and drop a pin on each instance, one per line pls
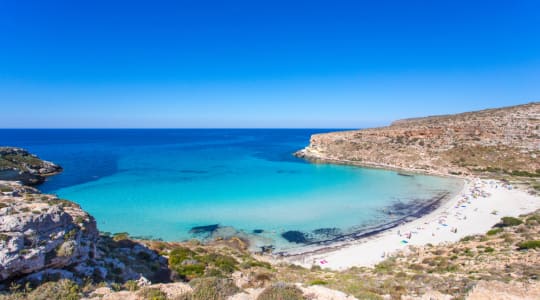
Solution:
(493, 142)
(19, 165)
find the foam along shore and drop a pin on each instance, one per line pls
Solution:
(474, 210)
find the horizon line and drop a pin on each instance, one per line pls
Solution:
(170, 128)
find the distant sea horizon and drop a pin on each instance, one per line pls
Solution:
(181, 183)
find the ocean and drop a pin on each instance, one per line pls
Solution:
(180, 184)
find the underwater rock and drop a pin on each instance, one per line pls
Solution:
(209, 229)
(295, 236)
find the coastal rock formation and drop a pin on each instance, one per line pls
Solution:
(18, 164)
(40, 232)
(504, 140)
(43, 237)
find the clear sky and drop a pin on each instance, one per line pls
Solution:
(335, 64)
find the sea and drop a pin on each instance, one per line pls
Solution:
(182, 184)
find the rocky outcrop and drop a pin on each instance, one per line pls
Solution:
(43, 237)
(18, 164)
(503, 140)
(39, 232)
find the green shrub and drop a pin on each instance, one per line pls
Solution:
(70, 235)
(4, 237)
(385, 266)
(467, 238)
(120, 236)
(224, 263)
(115, 286)
(66, 249)
(494, 231)
(281, 291)
(213, 288)
(5, 188)
(510, 221)
(184, 262)
(529, 244)
(62, 290)
(131, 285)
(524, 173)
(318, 282)
(188, 264)
(251, 263)
(179, 254)
(189, 272)
(153, 294)
(533, 219)
(489, 250)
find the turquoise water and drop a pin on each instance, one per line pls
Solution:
(163, 183)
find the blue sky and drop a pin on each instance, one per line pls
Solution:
(335, 64)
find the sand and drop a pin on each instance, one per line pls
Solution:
(474, 210)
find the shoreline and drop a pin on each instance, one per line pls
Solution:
(369, 231)
(474, 210)
(309, 155)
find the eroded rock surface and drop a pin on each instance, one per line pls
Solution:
(39, 231)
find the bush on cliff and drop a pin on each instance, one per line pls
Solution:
(62, 290)
(510, 221)
(281, 291)
(529, 245)
(189, 265)
(213, 288)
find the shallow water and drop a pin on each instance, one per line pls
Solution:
(162, 183)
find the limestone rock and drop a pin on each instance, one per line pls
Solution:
(39, 232)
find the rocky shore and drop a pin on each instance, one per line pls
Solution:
(19, 165)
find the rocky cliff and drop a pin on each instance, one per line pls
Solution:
(18, 164)
(39, 232)
(504, 140)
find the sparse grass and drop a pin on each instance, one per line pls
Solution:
(61, 290)
(495, 231)
(281, 291)
(510, 221)
(189, 264)
(529, 245)
(318, 282)
(152, 294)
(120, 236)
(213, 288)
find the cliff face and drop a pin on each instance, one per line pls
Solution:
(39, 231)
(501, 140)
(18, 164)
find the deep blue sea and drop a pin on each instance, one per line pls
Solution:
(161, 183)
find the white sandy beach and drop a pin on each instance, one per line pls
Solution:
(474, 210)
